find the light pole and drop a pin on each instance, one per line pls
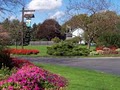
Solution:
(28, 17)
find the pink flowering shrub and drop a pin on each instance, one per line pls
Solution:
(23, 51)
(20, 62)
(31, 77)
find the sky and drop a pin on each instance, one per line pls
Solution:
(45, 9)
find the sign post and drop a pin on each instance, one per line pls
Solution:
(28, 23)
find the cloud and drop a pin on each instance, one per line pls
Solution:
(12, 18)
(57, 15)
(44, 4)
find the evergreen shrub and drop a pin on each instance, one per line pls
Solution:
(67, 49)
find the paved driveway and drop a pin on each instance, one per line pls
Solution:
(108, 65)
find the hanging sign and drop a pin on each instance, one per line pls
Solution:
(28, 22)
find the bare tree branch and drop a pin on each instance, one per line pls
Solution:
(9, 5)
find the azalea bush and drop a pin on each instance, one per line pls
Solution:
(17, 74)
(18, 63)
(30, 77)
(23, 51)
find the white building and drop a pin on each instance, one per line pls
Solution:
(75, 33)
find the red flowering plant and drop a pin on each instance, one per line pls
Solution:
(99, 48)
(23, 51)
(113, 48)
(18, 63)
(31, 77)
(107, 50)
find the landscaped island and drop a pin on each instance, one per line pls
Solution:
(18, 74)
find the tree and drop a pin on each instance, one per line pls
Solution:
(95, 25)
(8, 6)
(97, 19)
(49, 29)
(109, 39)
(4, 37)
(87, 6)
(34, 31)
(6, 24)
(13, 28)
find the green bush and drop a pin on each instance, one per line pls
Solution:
(5, 59)
(43, 39)
(109, 40)
(92, 53)
(67, 49)
(74, 40)
(56, 40)
(80, 51)
(5, 72)
(118, 50)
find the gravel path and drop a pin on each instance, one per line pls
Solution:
(106, 64)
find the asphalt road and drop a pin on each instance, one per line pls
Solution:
(107, 65)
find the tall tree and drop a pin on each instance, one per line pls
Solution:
(95, 20)
(87, 6)
(49, 29)
(34, 31)
(13, 28)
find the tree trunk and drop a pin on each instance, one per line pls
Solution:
(88, 44)
(16, 43)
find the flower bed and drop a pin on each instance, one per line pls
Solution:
(102, 47)
(23, 51)
(106, 50)
(31, 77)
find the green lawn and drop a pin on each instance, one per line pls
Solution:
(41, 48)
(80, 79)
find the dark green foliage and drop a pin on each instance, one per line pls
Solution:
(109, 40)
(74, 40)
(67, 49)
(80, 51)
(27, 38)
(5, 72)
(43, 39)
(34, 32)
(56, 40)
(5, 59)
